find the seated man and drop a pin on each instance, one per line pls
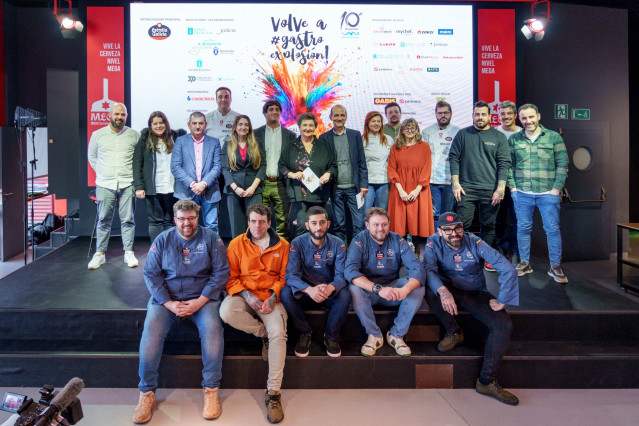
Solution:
(185, 271)
(315, 276)
(372, 267)
(454, 264)
(257, 261)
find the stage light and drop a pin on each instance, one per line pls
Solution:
(536, 25)
(69, 26)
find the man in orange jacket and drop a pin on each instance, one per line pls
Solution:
(257, 261)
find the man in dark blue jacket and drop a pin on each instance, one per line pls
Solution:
(315, 276)
(374, 260)
(454, 264)
(186, 272)
(352, 173)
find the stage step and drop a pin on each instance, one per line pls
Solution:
(548, 350)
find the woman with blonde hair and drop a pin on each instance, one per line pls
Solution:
(410, 205)
(377, 146)
(244, 170)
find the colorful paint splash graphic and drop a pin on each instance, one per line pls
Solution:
(312, 88)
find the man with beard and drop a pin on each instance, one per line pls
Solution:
(186, 271)
(315, 279)
(374, 260)
(454, 267)
(479, 162)
(110, 154)
(540, 166)
(394, 116)
(440, 137)
(220, 120)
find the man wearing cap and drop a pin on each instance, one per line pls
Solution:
(454, 263)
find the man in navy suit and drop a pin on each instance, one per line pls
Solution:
(196, 165)
(352, 173)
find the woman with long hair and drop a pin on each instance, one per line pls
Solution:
(377, 146)
(244, 170)
(152, 177)
(307, 151)
(410, 205)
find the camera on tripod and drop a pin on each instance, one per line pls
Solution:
(61, 408)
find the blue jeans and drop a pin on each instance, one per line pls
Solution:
(342, 199)
(443, 200)
(209, 213)
(548, 206)
(377, 196)
(159, 321)
(476, 303)
(363, 301)
(338, 304)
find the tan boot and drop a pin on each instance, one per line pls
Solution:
(212, 407)
(274, 412)
(144, 410)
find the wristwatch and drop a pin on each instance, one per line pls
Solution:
(376, 288)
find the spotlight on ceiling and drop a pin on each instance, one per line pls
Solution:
(69, 26)
(536, 25)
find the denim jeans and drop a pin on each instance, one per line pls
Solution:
(338, 304)
(377, 196)
(159, 208)
(364, 300)
(476, 303)
(208, 213)
(443, 200)
(548, 206)
(342, 199)
(506, 225)
(126, 210)
(157, 325)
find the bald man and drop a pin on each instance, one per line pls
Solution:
(111, 156)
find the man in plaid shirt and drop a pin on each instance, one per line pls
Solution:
(537, 176)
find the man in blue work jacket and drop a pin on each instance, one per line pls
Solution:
(454, 263)
(314, 277)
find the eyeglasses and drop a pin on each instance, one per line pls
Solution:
(186, 219)
(410, 129)
(448, 231)
(444, 113)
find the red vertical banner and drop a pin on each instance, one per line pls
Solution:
(2, 87)
(496, 73)
(105, 67)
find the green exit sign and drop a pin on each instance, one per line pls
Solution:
(581, 114)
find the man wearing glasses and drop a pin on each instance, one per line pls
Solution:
(186, 272)
(454, 264)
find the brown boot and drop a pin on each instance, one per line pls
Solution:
(212, 407)
(274, 412)
(144, 410)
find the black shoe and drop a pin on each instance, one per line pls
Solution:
(450, 341)
(265, 348)
(332, 347)
(303, 345)
(493, 390)
(273, 401)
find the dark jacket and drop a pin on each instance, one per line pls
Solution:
(245, 174)
(322, 160)
(260, 134)
(144, 163)
(356, 153)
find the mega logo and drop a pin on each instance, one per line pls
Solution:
(159, 32)
(383, 101)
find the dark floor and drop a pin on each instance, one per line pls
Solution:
(61, 280)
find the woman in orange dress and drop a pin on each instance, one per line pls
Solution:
(410, 205)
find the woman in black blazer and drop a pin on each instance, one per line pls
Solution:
(152, 178)
(244, 170)
(306, 151)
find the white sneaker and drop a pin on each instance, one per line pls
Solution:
(130, 259)
(398, 344)
(97, 260)
(372, 344)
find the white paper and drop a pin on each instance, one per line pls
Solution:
(360, 200)
(310, 180)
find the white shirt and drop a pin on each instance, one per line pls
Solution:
(220, 126)
(440, 141)
(111, 156)
(273, 147)
(164, 180)
(508, 132)
(377, 158)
